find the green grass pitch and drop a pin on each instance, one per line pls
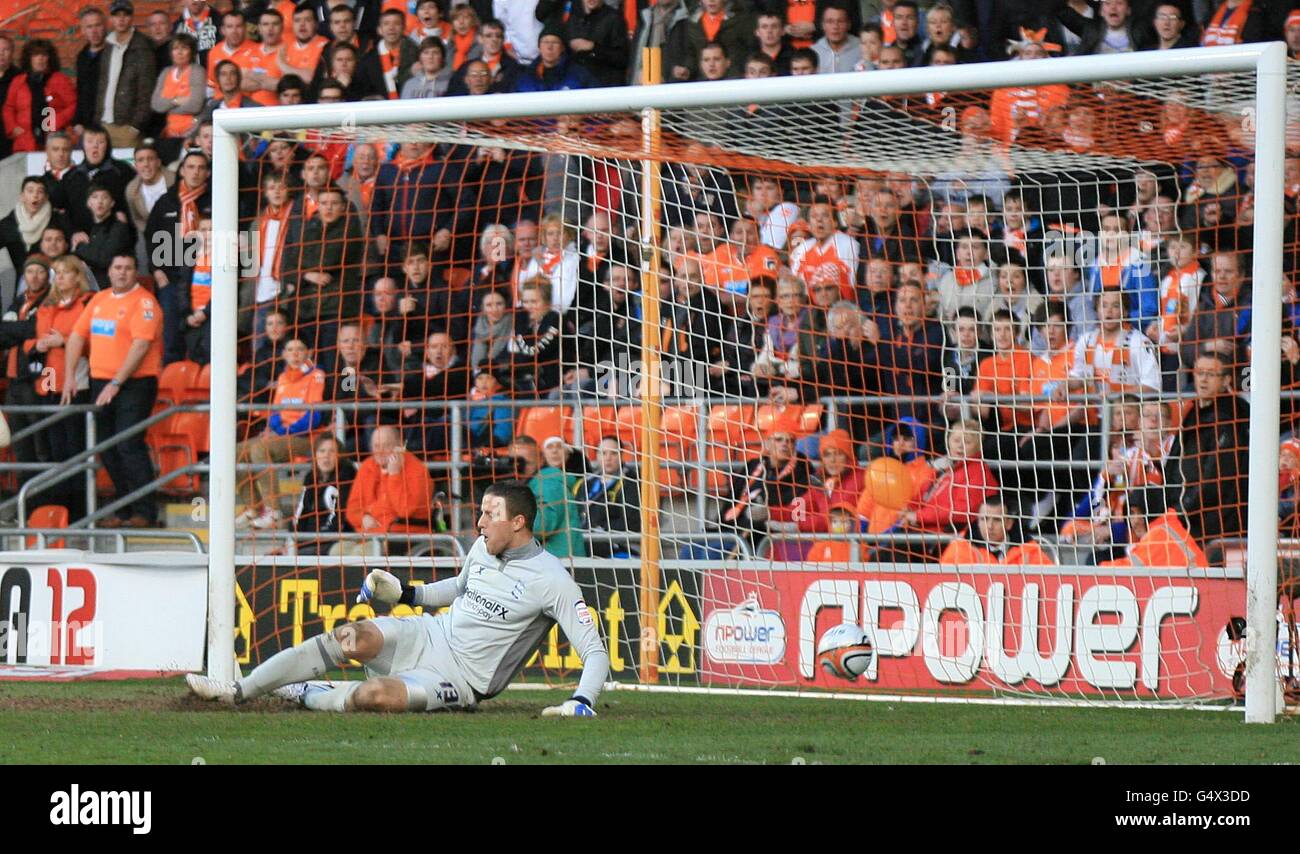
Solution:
(154, 721)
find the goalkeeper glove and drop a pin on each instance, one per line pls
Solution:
(380, 586)
(577, 707)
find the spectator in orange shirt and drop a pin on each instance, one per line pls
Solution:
(392, 492)
(1008, 372)
(43, 365)
(123, 329)
(288, 434)
(300, 54)
(234, 47)
(1003, 374)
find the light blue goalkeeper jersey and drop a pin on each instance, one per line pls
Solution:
(502, 608)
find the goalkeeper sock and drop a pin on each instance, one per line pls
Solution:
(302, 663)
(321, 699)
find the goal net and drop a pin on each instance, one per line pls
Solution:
(974, 368)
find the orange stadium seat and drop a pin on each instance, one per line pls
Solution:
(172, 452)
(732, 426)
(176, 381)
(630, 421)
(680, 428)
(800, 420)
(597, 423)
(201, 391)
(47, 516)
(543, 422)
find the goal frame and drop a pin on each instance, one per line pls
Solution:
(1267, 61)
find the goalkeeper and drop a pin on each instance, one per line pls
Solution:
(508, 595)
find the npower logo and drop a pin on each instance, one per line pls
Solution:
(746, 634)
(1109, 635)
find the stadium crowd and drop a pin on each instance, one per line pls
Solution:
(1038, 404)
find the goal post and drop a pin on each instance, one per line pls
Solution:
(690, 103)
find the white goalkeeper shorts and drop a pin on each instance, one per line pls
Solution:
(415, 651)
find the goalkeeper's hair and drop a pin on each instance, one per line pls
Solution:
(519, 499)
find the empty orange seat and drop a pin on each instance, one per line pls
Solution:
(597, 423)
(201, 391)
(799, 420)
(543, 422)
(47, 516)
(733, 426)
(629, 422)
(172, 452)
(176, 381)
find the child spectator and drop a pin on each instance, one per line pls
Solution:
(323, 502)
(489, 425)
(106, 236)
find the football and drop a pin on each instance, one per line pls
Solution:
(845, 651)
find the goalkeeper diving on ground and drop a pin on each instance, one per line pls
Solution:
(502, 604)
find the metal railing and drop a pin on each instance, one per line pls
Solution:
(424, 544)
(121, 538)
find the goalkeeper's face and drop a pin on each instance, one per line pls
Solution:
(496, 525)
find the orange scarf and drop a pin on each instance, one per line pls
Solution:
(189, 207)
(388, 62)
(463, 45)
(1226, 25)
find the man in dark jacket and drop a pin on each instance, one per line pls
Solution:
(1210, 458)
(908, 354)
(386, 67)
(171, 223)
(416, 199)
(764, 498)
(698, 336)
(355, 375)
(597, 39)
(553, 70)
(126, 81)
(323, 271)
(1115, 30)
(94, 29)
(18, 326)
(1223, 318)
(96, 167)
(610, 499)
(734, 31)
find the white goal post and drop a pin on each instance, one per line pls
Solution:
(1266, 61)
